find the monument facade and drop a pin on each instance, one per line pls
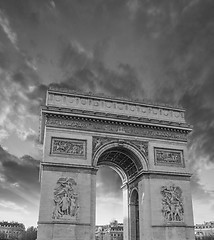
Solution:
(144, 143)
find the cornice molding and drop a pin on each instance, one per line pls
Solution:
(152, 174)
(67, 222)
(50, 166)
(115, 127)
(107, 116)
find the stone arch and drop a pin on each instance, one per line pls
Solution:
(134, 214)
(132, 195)
(123, 157)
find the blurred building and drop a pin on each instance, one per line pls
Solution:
(11, 230)
(204, 229)
(113, 231)
(100, 231)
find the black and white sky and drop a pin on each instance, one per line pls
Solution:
(139, 49)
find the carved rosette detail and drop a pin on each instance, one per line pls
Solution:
(65, 199)
(172, 203)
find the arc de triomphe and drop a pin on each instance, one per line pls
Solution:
(144, 143)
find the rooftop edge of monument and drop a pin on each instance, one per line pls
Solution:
(146, 102)
(65, 104)
(67, 100)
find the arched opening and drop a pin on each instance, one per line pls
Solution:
(127, 164)
(109, 197)
(134, 215)
(121, 159)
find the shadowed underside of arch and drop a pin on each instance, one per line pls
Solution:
(121, 158)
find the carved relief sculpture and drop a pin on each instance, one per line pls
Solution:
(99, 141)
(68, 147)
(169, 157)
(65, 199)
(142, 146)
(172, 204)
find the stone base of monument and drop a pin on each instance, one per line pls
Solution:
(63, 232)
(172, 233)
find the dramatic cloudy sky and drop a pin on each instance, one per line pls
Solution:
(161, 50)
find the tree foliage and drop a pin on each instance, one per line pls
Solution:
(30, 234)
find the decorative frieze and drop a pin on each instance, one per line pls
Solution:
(169, 157)
(65, 200)
(70, 147)
(114, 127)
(113, 106)
(142, 146)
(100, 141)
(172, 204)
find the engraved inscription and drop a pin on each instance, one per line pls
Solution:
(172, 203)
(65, 199)
(69, 147)
(169, 157)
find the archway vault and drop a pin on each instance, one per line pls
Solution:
(123, 157)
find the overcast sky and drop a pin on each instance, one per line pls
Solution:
(159, 50)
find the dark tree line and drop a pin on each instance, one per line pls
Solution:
(30, 234)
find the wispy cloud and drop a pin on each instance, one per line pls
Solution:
(5, 24)
(133, 6)
(3, 134)
(85, 72)
(13, 206)
(27, 134)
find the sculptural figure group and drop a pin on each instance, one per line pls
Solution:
(65, 199)
(172, 203)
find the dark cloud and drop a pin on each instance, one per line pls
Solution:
(83, 71)
(19, 177)
(28, 12)
(22, 91)
(23, 171)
